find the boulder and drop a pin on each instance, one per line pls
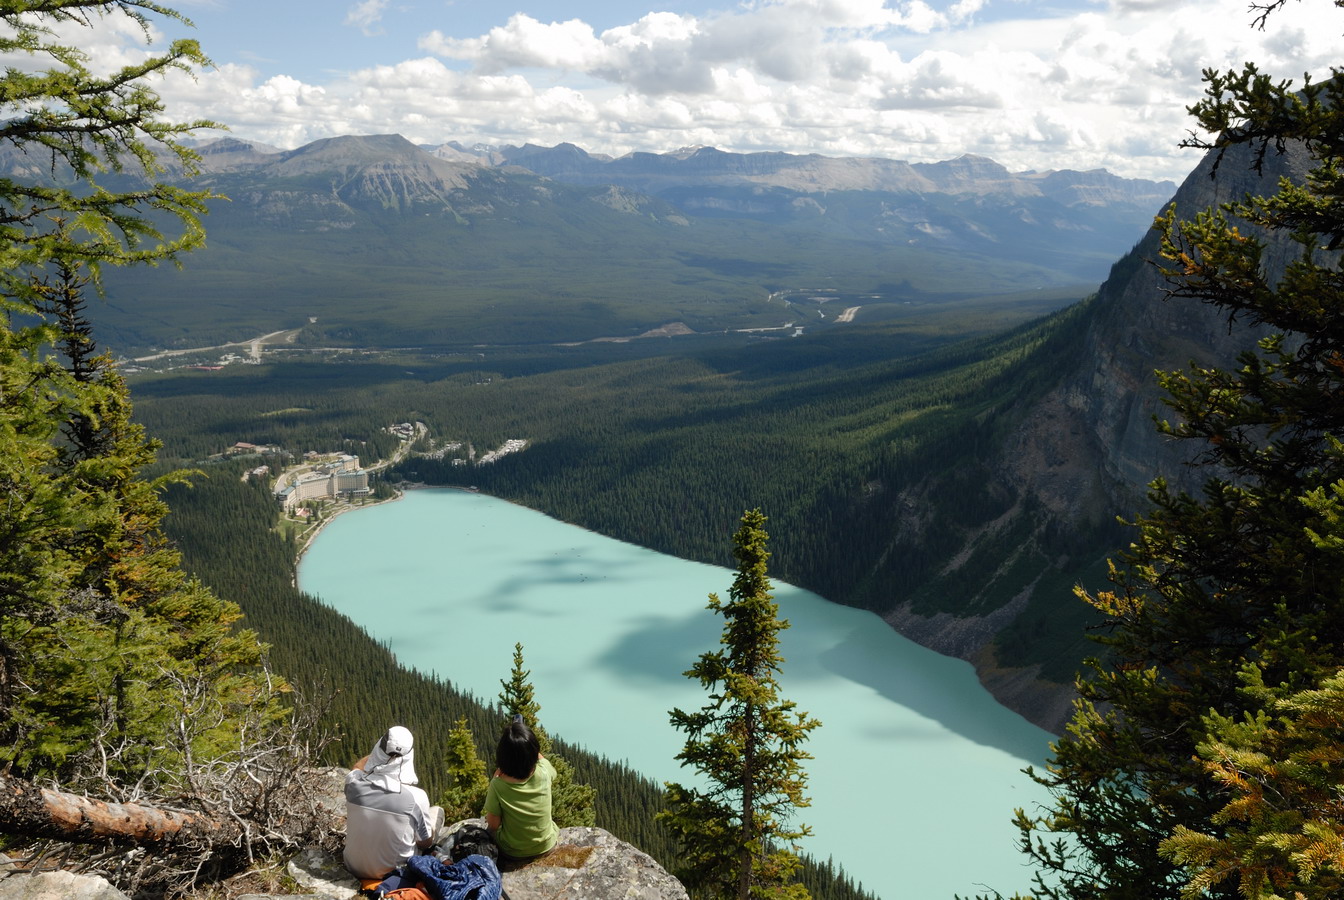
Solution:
(591, 864)
(586, 864)
(322, 873)
(57, 886)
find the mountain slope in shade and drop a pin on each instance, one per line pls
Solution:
(1074, 461)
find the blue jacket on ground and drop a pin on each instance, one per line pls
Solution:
(472, 878)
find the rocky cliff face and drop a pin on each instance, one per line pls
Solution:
(1085, 452)
(1091, 441)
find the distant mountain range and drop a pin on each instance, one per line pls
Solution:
(949, 204)
(659, 173)
(655, 173)
(386, 243)
(969, 203)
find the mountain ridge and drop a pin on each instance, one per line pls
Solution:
(810, 173)
(804, 172)
(968, 204)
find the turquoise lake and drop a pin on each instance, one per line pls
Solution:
(916, 771)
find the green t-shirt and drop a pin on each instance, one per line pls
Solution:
(524, 810)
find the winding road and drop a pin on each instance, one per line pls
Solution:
(254, 346)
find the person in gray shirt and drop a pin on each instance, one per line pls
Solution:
(387, 815)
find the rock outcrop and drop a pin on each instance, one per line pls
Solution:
(586, 864)
(591, 864)
(57, 886)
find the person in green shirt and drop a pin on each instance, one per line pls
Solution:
(518, 800)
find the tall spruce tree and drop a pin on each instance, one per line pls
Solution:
(1227, 611)
(572, 803)
(115, 667)
(517, 697)
(81, 124)
(736, 834)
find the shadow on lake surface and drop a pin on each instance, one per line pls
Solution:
(828, 641)
(933, 691)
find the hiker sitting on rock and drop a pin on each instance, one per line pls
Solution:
(387, 817)
(518, 800)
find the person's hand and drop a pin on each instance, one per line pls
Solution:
(360, 765)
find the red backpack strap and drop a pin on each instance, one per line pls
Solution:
(407, 893)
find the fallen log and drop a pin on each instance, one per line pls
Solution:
(37, 812)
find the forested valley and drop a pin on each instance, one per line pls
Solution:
(667, 450)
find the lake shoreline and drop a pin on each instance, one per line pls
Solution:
(313, 531)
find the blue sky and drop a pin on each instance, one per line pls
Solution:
(1081, 84)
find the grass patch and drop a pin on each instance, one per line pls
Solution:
(562, 857)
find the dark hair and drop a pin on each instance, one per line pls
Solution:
(518, 749)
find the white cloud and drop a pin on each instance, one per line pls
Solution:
(366, 14)
(900, 79)
(786, 40)
(523, 42)
(939, 80)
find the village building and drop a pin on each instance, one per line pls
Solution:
(341, 478)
